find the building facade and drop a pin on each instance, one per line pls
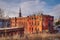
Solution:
(34, 23)
(40, 23)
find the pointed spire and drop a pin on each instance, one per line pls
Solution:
(20, 12)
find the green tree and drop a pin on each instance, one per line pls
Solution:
(57, 23)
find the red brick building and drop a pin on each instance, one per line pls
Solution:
(34, 23)
(40, 23)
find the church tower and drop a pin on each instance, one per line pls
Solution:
(20, 12)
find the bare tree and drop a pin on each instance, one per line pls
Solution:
(1, 13)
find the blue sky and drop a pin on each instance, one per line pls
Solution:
(29, 7)
(52, 2)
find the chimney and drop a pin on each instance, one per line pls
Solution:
(20, 12)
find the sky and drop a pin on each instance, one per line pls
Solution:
(29, 7)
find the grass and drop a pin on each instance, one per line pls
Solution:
(42, 36)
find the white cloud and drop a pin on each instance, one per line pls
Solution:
(28, 7)
(55, 11)
(32, 6)
(9, 9)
